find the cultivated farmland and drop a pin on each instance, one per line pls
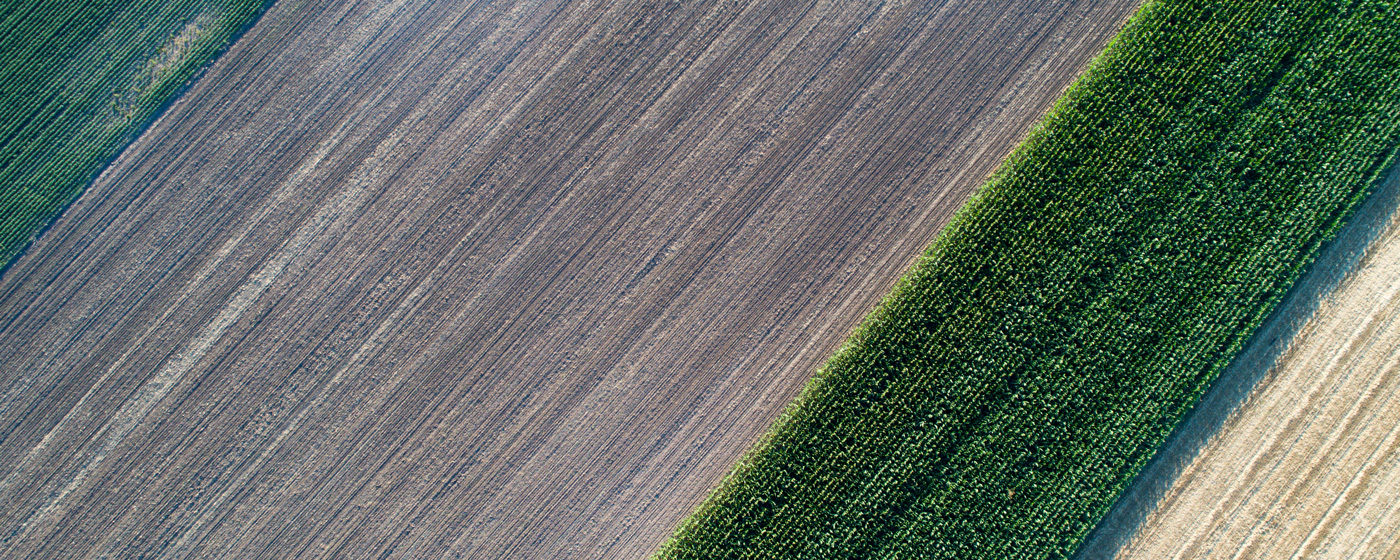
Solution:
(1296, 453)
(489, 280)
(1027, 368)
(79, 79)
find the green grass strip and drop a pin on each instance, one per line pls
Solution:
(80, 79)
(1029, 365)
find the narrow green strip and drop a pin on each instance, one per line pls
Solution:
(1020, 375)
(80, 79)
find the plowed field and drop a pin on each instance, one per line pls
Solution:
(489, 280)
(1296, 452)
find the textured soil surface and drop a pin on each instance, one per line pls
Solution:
(1295, 453)
(489, 280)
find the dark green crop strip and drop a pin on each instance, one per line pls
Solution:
(79, 80)
(1021, 374)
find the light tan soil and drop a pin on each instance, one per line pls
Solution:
(1307, 465)
(489, 279)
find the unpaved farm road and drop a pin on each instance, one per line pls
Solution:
(489, 279)
(1297, 455)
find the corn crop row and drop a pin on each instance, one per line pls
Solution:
(1049, 340)
(79, 80)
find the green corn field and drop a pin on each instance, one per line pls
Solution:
(80, 80)
(1049, 340)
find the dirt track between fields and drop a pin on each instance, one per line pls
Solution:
(451, 279)
(1296, 454)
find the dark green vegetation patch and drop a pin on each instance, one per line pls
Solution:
(80, 79)
(1025, 370)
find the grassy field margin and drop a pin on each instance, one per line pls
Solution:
(1030, 364)
(80, 80)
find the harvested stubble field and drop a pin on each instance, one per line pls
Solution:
(1296, 452)
(489, 280)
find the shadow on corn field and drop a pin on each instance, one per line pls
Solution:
(1252, 368)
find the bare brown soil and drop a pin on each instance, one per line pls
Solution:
(1295, 453)
(470, 280)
